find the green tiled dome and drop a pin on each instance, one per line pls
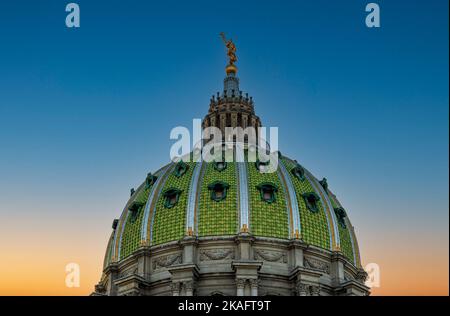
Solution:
(302, 208)
(208, 199)
(199, 226)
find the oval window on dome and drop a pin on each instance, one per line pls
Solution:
(267, 192)
(311, 200)
(261, 166)
(218, 190)
(220, 165)
(171, 197)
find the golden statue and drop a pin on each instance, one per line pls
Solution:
(231, 53)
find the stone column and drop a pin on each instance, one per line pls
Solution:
(244, 241)
(176, 288)
(189, 287)
(189, 245)
(143, 257)
(297, 248)
(337, 268)
(254, 287)
(240, 286)
(315, 290)
(302, 289)
(113, 273)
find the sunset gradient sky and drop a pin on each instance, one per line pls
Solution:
(86, 113)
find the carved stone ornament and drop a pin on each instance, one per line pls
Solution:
(271, 256)
(314, 290)
(216, 254)
(254, 283)
(175, 287)
(302, 289)
(348, 276)
(317, 264)
(128, 272)
(189, 285)
(166, 261)
(240, 283)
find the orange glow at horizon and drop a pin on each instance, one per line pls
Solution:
(34, 264)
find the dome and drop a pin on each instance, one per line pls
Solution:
(303, 208)
(226, 228)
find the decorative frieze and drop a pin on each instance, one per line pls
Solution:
(271, 256)
(128, 272)
(216, 254)
(166, 261)
(317, 265)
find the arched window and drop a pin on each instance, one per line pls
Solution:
(218, 190)
(267, 191)
(171, 197)
(311, 200)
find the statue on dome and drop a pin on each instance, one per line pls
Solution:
(231, 49)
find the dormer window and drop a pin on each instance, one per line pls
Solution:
(220, 165)
(311, 200)
(324, 184)
(341, 215)
(171, 197)
(150, 180)
(218, 190)
(134, 209)
(268, 192)
(181, 168)
(298, 172)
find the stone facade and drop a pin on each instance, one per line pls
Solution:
(233, 266)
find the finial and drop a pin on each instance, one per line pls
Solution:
(231, 53)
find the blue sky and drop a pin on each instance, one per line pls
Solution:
(86, 113)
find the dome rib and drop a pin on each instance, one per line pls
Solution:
(192, 202)
(336, 245)
(295, 228)
(155, 191)
(316, 227)
(243, 195)
(121, 226)
(348, 230)
(169, 224)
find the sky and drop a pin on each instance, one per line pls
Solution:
(86, 112)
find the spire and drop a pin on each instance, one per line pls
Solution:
(232, 108)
